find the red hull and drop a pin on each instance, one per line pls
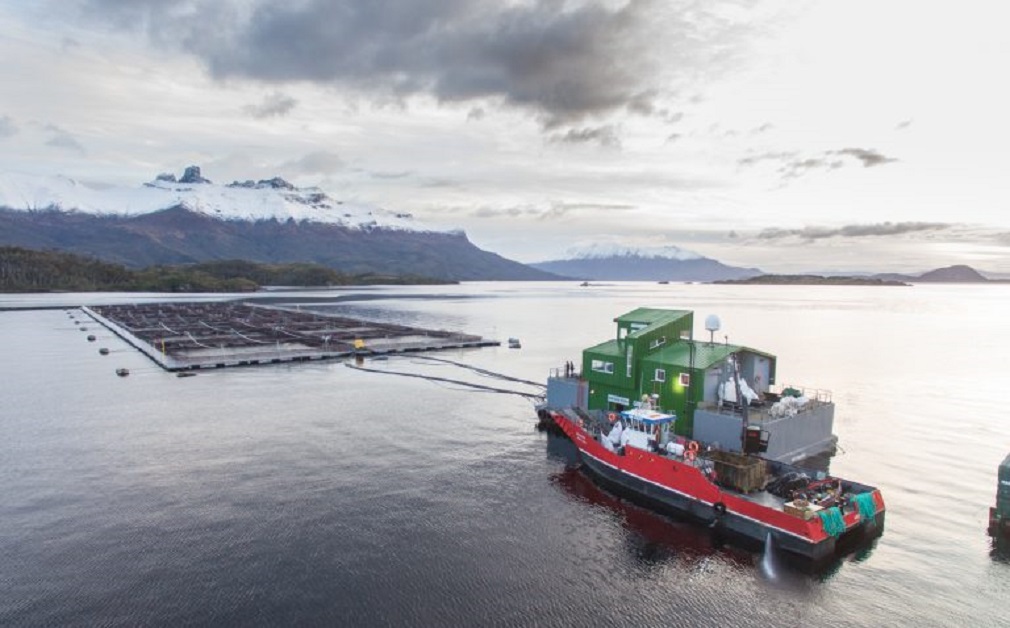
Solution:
(807, 537)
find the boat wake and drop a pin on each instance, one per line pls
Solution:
(769, 562)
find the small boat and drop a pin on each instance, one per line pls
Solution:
(103, 351)
(999, 515)
(514, 343)
(122, 372)
(584, 284)
(185, 374)
(91, 338)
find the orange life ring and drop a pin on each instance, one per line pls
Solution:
(693, 447)
(612, 417)
(689, 455)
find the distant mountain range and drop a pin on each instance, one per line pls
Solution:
(949, 274)
(190, 219)
(643, 264)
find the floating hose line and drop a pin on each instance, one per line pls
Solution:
(446, 380)
(475, 369)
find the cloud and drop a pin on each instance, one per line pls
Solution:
(792, 164)
(62, 139)
(852, 231)
(275, 104)
(604, 135)
(7, 127)
(901, 126)
(564, 61)
(869, 157)
(400, 174)
(550, 211)
(319, 162)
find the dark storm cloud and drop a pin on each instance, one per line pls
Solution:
(7, 127)
(852, 231)
(563, 60)
(275, 104)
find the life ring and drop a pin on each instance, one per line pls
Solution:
(581, 423)
(612, 417)
(689, 455)
(693, 447)
(720, 509)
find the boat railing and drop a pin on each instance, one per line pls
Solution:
(563, 372)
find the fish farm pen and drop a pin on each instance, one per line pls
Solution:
(190, 336)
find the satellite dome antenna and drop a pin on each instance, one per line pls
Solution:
(713, 325)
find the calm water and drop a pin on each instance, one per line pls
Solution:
(316, 494)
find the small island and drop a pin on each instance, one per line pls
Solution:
(812, 280)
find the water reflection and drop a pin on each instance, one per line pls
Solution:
(651, 538)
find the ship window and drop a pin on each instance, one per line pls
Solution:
(603, 367)
(658, 342)
(685, 334)
(685, 379)
(660, 375)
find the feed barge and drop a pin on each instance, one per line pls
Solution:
(698, 429)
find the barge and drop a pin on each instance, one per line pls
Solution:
(700, 429)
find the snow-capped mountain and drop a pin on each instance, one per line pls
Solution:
(190, 219)
(270, 199)
(613, 262)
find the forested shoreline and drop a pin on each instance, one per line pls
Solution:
(27, 270)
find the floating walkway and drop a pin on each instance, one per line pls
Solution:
(212, 335)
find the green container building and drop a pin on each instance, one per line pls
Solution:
(654, 356)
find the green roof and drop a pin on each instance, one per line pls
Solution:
(610, 347)
(705, 354)
(651, 316)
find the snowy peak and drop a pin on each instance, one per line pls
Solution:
(267, 199)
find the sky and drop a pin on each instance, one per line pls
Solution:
(786, 135)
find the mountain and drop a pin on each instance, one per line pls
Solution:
(630, 264)
(949, 274)
(191, 219)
